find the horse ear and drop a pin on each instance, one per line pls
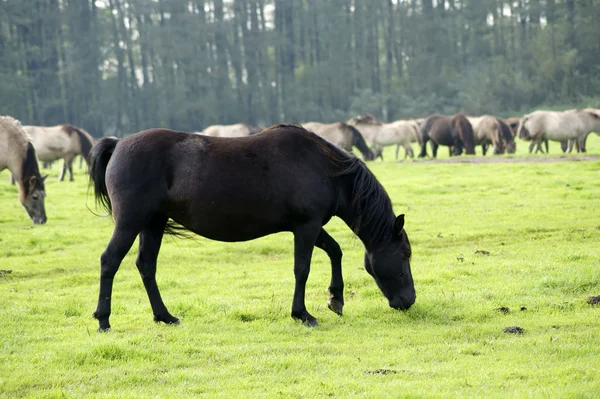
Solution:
(44, 177)
(399, 224)
(32, 183)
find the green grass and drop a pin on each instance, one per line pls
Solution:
(538, 221)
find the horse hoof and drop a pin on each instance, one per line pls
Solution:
(335, 306)
(167, 319)
(103, 330)
(310, 323)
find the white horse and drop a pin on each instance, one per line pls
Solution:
(18, 156)
(237, 130)
(571, 125)
(61, 141)
(379, 134)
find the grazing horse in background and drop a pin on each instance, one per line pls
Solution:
(452, 131)
(571, 125)
(507, 136)
(284, 178)
(488, 131)
(237, 130)
(62, 141)
(342, 135)
(17, 154)
(379, 134)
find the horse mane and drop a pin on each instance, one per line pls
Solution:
(85, 139)
(29, 169)
(358, 140)
(371, 205)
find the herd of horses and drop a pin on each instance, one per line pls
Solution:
(233, 183)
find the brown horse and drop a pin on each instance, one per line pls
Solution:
(18, 155)
(284, 178)
(343, 135)
(454, 132)
(61, 141)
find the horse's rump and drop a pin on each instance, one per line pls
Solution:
(462, 128)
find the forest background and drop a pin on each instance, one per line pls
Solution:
(120, 66)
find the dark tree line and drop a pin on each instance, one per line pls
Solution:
(119, 66)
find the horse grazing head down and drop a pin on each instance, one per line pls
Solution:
(522, 131)
(33, 192)
(390, 267)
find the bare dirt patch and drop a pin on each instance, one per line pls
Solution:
(492, 159)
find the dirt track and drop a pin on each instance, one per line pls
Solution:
(493, 159)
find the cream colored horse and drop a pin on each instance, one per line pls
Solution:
(379, 134)
(342, 135)
(61, 141)
(18, 156)
(237, 130)
(571, 125)
(487, 130)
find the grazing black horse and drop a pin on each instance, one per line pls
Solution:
(236, 189)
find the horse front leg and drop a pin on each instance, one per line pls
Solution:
(111, 258)
(336, 287)
(434, 148)
(150, 240)
(305, 238)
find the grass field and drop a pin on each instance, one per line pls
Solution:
(494, 246)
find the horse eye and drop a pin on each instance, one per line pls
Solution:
(35, 197)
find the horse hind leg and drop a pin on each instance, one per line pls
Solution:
(336, 288)
(119, 245)
(150, 241)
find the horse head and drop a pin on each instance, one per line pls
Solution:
(390, 267)
(32, 198)
(522, 131)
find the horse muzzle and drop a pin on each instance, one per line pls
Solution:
(402, 302)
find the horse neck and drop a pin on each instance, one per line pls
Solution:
(368, 131)
(16, 151)
(372, 228)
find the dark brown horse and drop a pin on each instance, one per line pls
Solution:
(454, 132)
(284, 178)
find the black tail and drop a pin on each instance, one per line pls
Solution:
(99, 156)
(359, 142)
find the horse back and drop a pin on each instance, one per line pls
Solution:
(262, 183)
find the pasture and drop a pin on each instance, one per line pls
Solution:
(495, 245)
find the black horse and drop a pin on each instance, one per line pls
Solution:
(236, 189)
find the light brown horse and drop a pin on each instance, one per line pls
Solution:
(236, 130)
(61, 141)
(343, 135)
(379, 134)
(488, 131)
(572, 125)
(18, 155)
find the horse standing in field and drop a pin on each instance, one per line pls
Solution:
(488, 130)
(342, 135)
(572, 125)
(452, 131)
(284, 178)
(17, 154)
(236, 130)
(379, 134)
(61, 141)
